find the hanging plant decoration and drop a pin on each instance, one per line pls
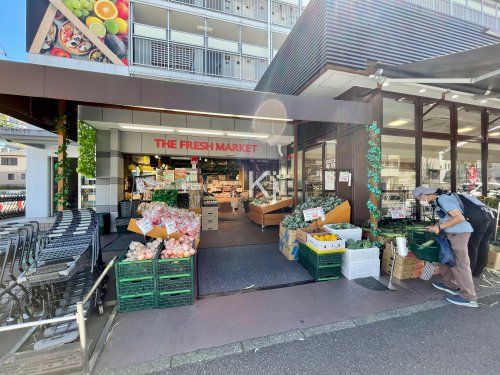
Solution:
(374, 161)
(62, 171)
(86, 150)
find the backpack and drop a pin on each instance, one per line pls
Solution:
(477, 215)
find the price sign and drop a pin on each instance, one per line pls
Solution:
(171, 227)
(169, 176)
(398, 213)
(144, 225)
(314, 214)
(141, 187)
(329, 180)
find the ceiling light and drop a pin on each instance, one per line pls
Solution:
(460, 144)
(422, 91)
(454, 96)
(157, 129)
(202, 132)
(401, 99)
(483, 101)
(385, 84)
(247, 135)
(495, 128)
(465, 130)
(205, 28)
(398, 122)
(459, 108)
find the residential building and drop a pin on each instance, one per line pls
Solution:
(12, 168)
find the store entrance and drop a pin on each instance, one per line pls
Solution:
(239, 241)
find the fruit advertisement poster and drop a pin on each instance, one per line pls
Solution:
(88, 30)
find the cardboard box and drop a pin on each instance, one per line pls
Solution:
(291, 252)
(302, 233)
(325, 245)
(494, 257)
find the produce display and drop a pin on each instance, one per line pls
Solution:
(159, 213)
(268, 200)
(184, 247)
(296, 219)
(326, 237)
(361, 244)
(167, 196)
(139, 251)
(341, 226)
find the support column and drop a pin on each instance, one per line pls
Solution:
(38, 183)
(485, 119)
(61, 155)
(295, 164)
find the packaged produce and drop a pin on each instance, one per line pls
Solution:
(296, 219)
(139, 251)
(159, 213)
(183, 247)
(326, 237)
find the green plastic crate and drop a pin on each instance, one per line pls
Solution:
(322, 273)
(134, 302)
(319, 260)
(415, 240)
(175, 298)
(169, 283)
(133, 269)
(174, 266)
(122, 229)
(135, 285)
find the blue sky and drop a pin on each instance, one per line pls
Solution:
(13, 29)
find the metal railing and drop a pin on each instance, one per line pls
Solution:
(197, 60)
(12, 205)
(79, 317)
(466, 12)
(283, 14)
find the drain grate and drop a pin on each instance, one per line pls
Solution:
(370, 283)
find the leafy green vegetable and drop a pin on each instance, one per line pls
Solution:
(295, 220)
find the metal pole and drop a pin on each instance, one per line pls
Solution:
(498, 218)
(80, 320)
(98, 281)
(37, 323)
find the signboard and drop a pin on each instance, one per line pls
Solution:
(330, 180)
(95, 31)
(344, 177)
(144, 225)
(205, 145)
(398, 213)
(139, 183)
(314, 214)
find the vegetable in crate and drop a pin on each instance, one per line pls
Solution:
(360, 244)
(295, 220)
(325, 237)
(139, 251)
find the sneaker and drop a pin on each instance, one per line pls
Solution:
(457, 300)
(444, 288)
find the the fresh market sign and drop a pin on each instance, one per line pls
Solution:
(205, 145)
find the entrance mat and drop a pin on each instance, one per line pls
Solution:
(370, 283)
(238, 233)
(227, 270)
(122, 241)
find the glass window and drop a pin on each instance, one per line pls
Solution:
(10, 177)
(469, 167)
(313, 169)
(437, 120)
(493, 169)
(9, 161)
(436, 163)
(330, 165)
(399, 114)
(494, 125)
(398, 173)
(469, 122)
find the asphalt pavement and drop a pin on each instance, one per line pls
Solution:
(445, 340)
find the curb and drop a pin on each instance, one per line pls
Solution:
(254, 345)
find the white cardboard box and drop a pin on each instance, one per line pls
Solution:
(361, 269)
(347, 234)
(361, 255)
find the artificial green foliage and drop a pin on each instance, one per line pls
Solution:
(374, 161)
(62, 170)
(296, 219)
(86, 150)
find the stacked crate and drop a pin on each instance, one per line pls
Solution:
(322, 265)
(407, 267)
(174, 282)
(209, 215)
(135, 284)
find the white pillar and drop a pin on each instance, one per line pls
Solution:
(38, 183)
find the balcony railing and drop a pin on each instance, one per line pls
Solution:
(283, 14)
(197, 60)
(464, 12)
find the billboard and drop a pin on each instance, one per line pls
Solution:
(88, 30)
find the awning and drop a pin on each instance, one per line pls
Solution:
(475, 71)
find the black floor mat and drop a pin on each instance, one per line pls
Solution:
(238, 233)
(122, 242)
(237, 269)
(370, 283)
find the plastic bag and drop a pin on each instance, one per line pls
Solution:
(446, 255)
